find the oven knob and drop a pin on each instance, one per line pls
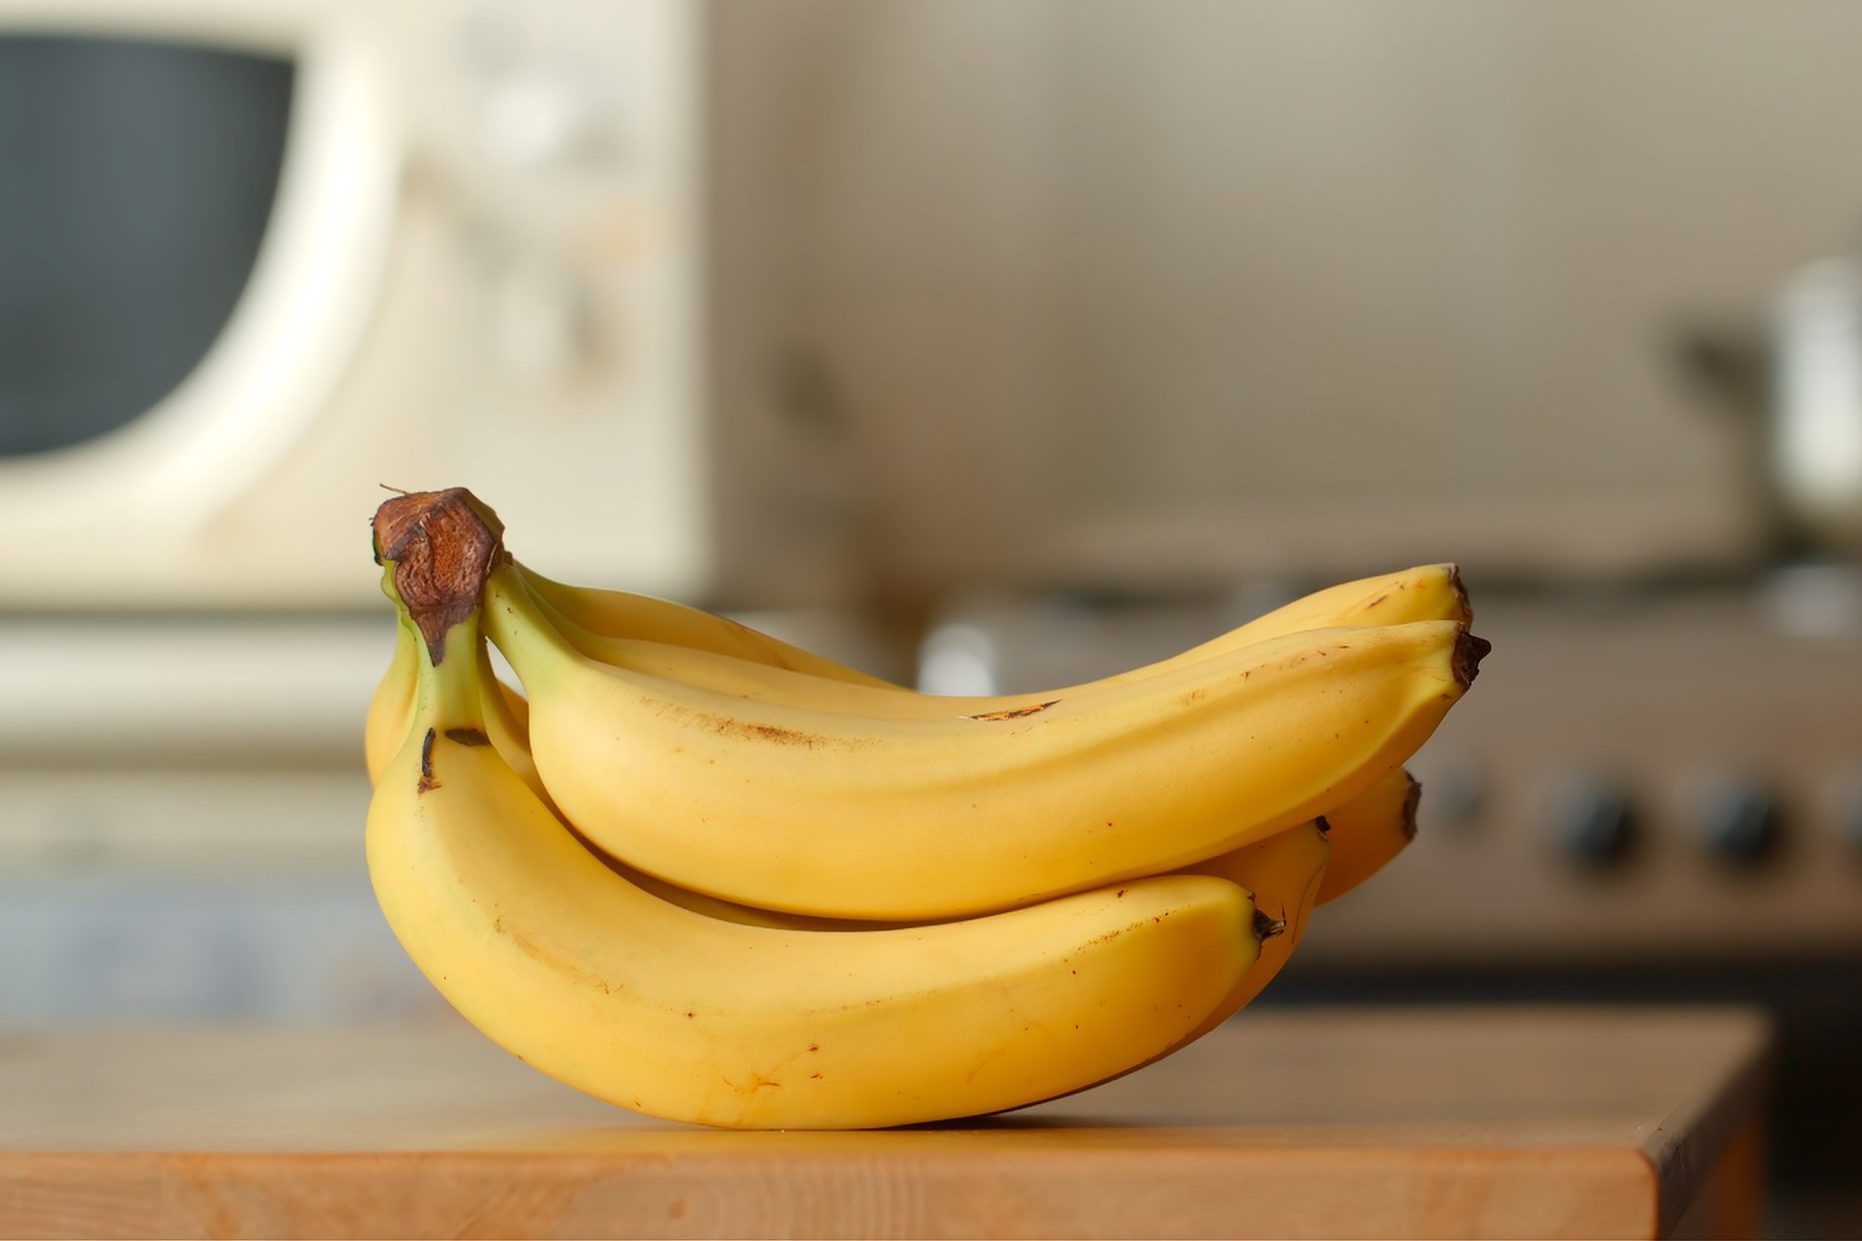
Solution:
(1593, 821)
(1739, 819)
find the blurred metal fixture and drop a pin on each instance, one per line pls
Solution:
(1816, 417)
(1795, 382)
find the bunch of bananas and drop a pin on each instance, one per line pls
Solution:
(706, 875)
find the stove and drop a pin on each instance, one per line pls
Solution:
(1637, 775)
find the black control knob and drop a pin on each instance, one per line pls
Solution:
(1593, 820)
(1739, 819)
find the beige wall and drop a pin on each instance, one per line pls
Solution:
(1173, 290)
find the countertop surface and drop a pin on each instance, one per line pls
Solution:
(1417, 1122)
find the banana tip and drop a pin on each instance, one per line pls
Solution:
(1460, 591)
(1266, 927)
(1469, 651)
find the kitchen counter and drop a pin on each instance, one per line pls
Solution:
(1554, 1122)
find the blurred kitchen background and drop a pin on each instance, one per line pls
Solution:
(988, 344)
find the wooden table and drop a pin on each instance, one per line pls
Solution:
(1340, 1123)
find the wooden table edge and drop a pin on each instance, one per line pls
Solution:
(176, 1193)
(1689, 1145)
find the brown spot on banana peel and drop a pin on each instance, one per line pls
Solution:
(732, 726)
(426, 783)
(725, 725)
(444, 545)
(1014, 713)
(542, 955)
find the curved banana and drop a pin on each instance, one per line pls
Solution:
(593, 981)
(1368, 831)
(675, 624)
(724, 674)
(1281, 873)
(644, 634)
(1358, 834)
(1284, 873)
(824, 813)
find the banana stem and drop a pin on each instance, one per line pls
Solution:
(441, 547)
(573, 631)
(526, 635)
(437, 549)
(450, 698)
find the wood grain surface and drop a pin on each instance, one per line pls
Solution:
(1462, 1122)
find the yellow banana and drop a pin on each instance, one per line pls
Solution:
(825, 813)
(1368, 831)
(390, 706)
(1281, 873)
(1284, 874)
(633, 631)
(651, 1006)
(661, 620)
(1277, 871)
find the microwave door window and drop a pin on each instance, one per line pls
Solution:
(136, 179)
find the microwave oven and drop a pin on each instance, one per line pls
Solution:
(776, 304)
(266, 259)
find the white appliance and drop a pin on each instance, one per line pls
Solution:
(484, 258)
(258, 259)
